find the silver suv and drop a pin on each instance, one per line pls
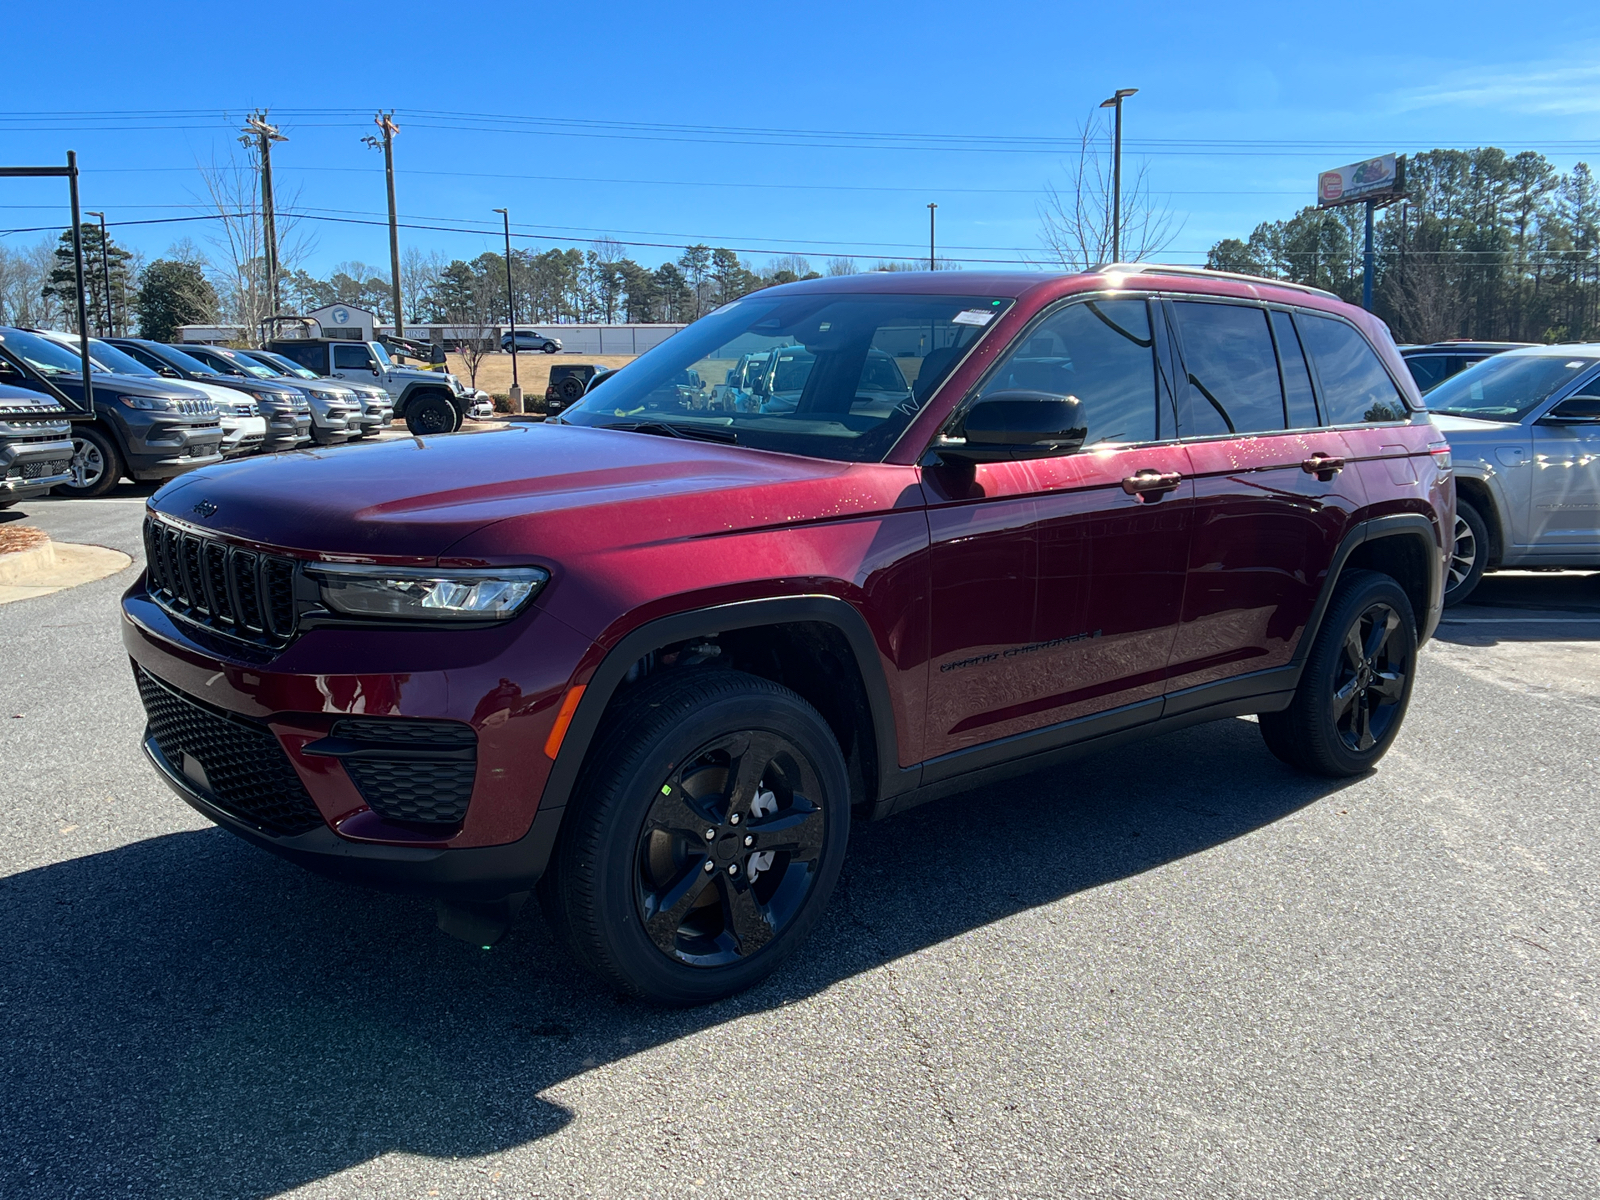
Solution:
(1524, 432)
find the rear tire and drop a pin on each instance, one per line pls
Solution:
(431, 414)
(1469, 555)
(1356, 684)
(659, 883)
(97, 465)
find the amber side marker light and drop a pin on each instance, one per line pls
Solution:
(558, 731)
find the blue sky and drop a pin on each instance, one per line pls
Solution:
(669, 124)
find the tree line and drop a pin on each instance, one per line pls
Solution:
(1487, 245)
(186, 287)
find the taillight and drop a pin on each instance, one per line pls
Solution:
(1441, 457)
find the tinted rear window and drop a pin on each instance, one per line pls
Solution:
(1355, 387)
(1232, 370)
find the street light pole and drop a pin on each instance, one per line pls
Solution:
(511, 304)
(109, 326)
(932, 262)
(1115, 102)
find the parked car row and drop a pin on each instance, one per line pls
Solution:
(159, 410)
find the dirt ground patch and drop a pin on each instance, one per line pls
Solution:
(494, 372)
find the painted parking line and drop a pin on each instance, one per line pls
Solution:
(1515, 620)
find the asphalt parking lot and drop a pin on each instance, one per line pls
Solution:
(1180, 970)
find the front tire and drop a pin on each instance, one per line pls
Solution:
(710, 830)
(550, 347)
(431, 414)
(1356, 684)
(97, 465)
(1469, 555)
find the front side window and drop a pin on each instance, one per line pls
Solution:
(1507, 387)
(1355, 387)
(351, 358)
(1232, 370)
(1099, 351)
(836, 376)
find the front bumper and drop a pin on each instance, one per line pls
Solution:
(242, 435)
(286, 430)
(160, 448)
(34, 462)
(292, 699)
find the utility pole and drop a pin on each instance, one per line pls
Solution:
(511, 303)
(932, 262)
(257, 130)
(1367, 262)
(108, 327)
(385, 122)
(1115, 102)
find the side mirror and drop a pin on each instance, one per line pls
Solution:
(1016, 424)
(1574, 410)
(377, 370)
(168, 373)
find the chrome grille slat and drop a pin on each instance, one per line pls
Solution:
(204, 580)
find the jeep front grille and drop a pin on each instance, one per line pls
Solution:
(223, 587)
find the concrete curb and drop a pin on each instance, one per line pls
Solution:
(54, 566)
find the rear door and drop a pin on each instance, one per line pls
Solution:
(1274, 493)
(1056, 588)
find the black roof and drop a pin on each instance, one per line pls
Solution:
(1463, 347)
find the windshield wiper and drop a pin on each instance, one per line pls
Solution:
(664, 429)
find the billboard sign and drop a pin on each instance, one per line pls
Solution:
(1378, 179)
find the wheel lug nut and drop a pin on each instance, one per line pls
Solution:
(710, 866)
(748, 840)
(711, 835)
(733, 868)
(733, 820)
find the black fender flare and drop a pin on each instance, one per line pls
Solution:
(1413, 525)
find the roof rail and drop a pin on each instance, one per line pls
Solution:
(1143, 268)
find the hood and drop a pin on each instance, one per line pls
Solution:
(1457, 426)
(413, 499)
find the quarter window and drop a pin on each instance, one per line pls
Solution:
(1101, 352)
(1299, 401)
(1232, 370)
(1355, 387)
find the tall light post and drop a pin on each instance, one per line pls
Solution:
(1115, 101)
(932, 262)
(109, 326)
(511, 304)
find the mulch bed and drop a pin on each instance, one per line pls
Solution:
(21, 537)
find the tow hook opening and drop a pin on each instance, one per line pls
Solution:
(480, 923)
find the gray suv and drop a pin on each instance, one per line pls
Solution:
(1524, 433)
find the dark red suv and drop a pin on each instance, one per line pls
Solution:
(649, 659)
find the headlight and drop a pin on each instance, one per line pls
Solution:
(420, 593)
(148, 403)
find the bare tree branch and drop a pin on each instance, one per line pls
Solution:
(1075, 219)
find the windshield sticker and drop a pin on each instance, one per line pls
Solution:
(972, 316)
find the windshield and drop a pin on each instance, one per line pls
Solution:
(383, 355)
(831, 376)
(186, 362)
(43, 355)
(1505, 388)
(245, 363)
(287, 366)
(108, 358)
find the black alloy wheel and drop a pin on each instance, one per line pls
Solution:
(704, 838)
(431, 414)
(1469, 555)
(1356, 683)
(730, 849)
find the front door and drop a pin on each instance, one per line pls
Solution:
(354, 362)
(1274, 494)
(1566, 476)
(1057, 582)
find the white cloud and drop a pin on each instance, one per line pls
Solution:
(1533, 88)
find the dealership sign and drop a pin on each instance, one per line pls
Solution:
(1378, 179)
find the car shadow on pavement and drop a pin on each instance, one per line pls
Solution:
(1527, 606)
(187, 1016)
